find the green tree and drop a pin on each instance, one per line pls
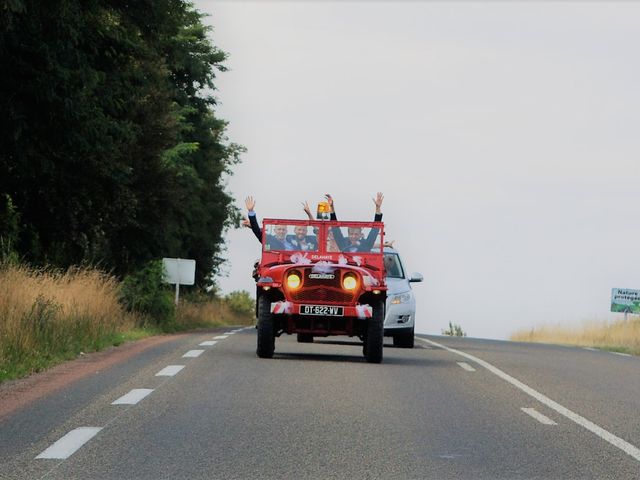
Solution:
(240, 301)
(9, 229)
(110, 148)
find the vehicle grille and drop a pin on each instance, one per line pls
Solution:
(316, 290)
(321, 295)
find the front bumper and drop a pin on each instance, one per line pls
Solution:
(290, 308)
(392, 332)
(400, 315)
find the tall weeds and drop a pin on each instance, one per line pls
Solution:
(617, 336)
(211, 314)
(48, 316)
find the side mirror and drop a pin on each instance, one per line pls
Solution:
(416, 277)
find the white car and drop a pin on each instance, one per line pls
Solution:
(399, 321)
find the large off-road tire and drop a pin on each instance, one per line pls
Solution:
(266, 337)
(404, 340)
(374, 338)
(305, 338)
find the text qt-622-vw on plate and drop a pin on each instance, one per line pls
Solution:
(321, 310)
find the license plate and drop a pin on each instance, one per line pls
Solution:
(321, 310)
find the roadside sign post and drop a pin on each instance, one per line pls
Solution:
(179, 271)
(625, 300)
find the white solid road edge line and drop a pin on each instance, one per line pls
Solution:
(580, 420)
(70, 443)
(538, 416)
(169, 371)
(466, 366)
(133, 397)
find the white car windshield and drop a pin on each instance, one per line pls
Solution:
(393, 266)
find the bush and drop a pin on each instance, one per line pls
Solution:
(454, 331)
(47, 316)
(145, 292)
(240, 301)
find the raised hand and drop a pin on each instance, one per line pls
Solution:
(378, 201)
(307, 210)
(250, 203)
(329, 200)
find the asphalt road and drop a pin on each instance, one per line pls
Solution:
(456, 408)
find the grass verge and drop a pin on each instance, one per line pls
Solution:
(47, 317)
(620, 336)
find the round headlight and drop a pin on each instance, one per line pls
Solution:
(293, 280)
(349, 282)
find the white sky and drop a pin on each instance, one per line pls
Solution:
(504, 135)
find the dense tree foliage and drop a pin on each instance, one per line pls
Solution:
(111, 153)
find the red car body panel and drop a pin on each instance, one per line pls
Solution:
(320, 305)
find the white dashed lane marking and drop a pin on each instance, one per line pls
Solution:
(169, 371)
(75, 439)
(466, 366)
(621, 354)
(538, 416)
(605, 435)
(192, 354)
(133, 397)
(70, 443)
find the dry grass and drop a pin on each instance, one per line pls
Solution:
(618, 336)
(209, 314)
(49, 316)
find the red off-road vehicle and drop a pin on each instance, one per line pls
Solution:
(321, 278)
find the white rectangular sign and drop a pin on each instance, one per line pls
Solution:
(179, 271)
(625, 300)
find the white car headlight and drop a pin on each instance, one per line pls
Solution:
(402, 298)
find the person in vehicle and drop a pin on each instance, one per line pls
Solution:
(354, 241)
(301, 241)
(332, 246)
(280, 240)
(377, 201)
(391, 266)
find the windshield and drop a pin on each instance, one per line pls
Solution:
(322, 237)
(352, 239)
(291, 237)
(393, 266)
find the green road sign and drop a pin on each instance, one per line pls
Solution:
(625, 300)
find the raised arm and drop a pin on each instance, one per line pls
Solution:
(367, 244)
(378, 203)
(307, 210)
(250, 203)
(330, 202)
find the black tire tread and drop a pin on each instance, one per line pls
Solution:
(374, 338)
(266, 338)
(404, 340)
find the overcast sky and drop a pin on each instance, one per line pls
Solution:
(504, 135)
